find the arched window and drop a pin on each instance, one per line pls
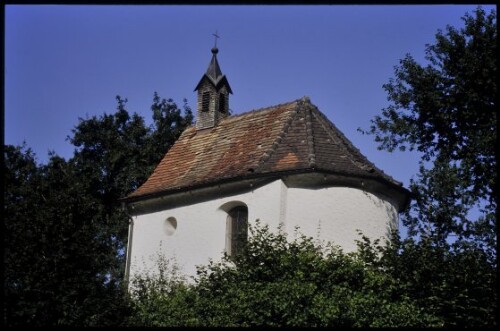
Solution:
(236, 230)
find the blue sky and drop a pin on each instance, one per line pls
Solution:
(64, 62)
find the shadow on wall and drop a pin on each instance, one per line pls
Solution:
(390, 211)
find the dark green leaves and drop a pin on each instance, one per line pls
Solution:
(446, 110)
(457, 285)
(65, 230)
(277, 281)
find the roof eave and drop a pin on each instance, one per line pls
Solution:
(279, 174)
(174, 190)
(216, 83)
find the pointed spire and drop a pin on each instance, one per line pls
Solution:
(213, 70)
(214, 73)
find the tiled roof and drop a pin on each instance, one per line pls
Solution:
(293, 136)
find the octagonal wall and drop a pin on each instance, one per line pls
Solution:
(336, 213)
(192, 234)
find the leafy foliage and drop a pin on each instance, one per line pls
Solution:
(55, 260)
(456, 285)
(65, 230)
(169, 122)
(278, 282)
(446, 110)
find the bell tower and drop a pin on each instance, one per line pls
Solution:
(213, 94)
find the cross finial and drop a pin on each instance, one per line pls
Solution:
(216, 36)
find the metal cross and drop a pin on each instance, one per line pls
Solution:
(216, 36)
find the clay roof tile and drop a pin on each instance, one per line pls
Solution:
(286, 137)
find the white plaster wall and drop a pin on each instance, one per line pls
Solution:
(330, 214)
(201, 230)
(335, 213)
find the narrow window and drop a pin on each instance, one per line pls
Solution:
(205, 101)
(222, 103)
(237, 230)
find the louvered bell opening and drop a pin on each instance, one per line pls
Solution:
(205, 101)
(222, 103)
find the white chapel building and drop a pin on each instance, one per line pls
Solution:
(285, 165)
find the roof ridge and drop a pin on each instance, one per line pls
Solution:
(347, 144)
(305, 104)
(267, 154)
(343, 139)
(256, 110)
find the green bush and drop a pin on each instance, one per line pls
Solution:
(278, 282)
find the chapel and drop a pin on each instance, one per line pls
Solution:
(286, 165)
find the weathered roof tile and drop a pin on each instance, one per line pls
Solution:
(286, 137)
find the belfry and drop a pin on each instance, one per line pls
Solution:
(213, 95)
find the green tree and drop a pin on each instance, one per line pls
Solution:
(169, 122)
(446, 110)
(65, 229)
(278, 282)
(110, 158)
(115, 153)
(455, 285)
(21, 178)
(54, 262)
